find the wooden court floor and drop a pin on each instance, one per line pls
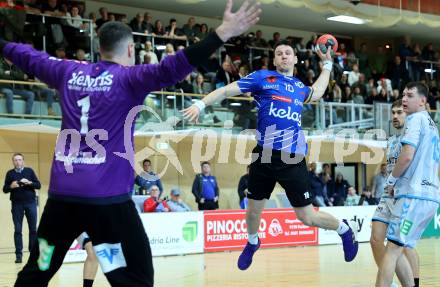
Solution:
(300, 266)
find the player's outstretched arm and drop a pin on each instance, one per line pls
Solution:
(192, 113)
(321, 83)
(145, 78)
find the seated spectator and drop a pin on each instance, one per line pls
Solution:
(367, 198)
(358, 98)
(173, 31)
(149, 50)
(353, 75)
(8, 71)
(154, 203)
(104, 17)
(169, 51)
(259, 41)
(80, 55)
(175, 203)
(47, 94)
(75, 19)
(148, 24)
(147, 178)
(201, 33)
(352, 198)
(158, 29)
(60, 53)
(276, 38)
(398, 74)
(373, 97)
(189, 29)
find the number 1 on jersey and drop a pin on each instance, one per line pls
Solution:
(84, 104)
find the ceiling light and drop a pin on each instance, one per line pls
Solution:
(429, 71)
(347, 19)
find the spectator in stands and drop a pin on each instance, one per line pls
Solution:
(358, 98)
(75, 19)
(60, 53)
(189, 29)
(137, 25)
(370, 86)
(175, 203)
(367, 198)
(384, 84)
(326, 178)
(316, 186)
(147, 179)
(383, 96)
(158, 28)
(276, 38)
(149, 50)
(48, 94)
(148, 23)
(362, 56)
(205, 188)
(398, 74)
(243, 189)
(347, 95)
(55, 35)
(8, 71)
(311, 43)
(395, 95)
(414, 62)
(202, 32)
(405, 49)
(428, 53)
(372, 97)
(343, 82)
(104, 17)
(111, 17)
(352, 198)
(353, 75)
(259, 41)
(80, 55)
(339, 190)
(154, 203)
(378, 63)
(224, 76)
(173, 31)
(362, 84)
(21, 182)
(379, 183)
(169, 50)
(202, 88)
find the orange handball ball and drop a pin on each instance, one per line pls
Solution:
(327, 41)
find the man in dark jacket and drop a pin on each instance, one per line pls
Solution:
(21, 183)
(316, 186)
(205, 188)
(8, 71)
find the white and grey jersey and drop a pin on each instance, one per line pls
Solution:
(394, 146)
(420, 180)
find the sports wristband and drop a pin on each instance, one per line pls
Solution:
(391, 180)
(328, 65)
(200, 104)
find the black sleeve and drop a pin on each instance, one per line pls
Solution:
(3, 43)
(217, 190)
(8, 181)
(199, 53)
(195, 189)
(35, 182)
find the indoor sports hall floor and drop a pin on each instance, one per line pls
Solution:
(300, 266)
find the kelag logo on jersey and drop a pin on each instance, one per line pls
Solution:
(86, 83)
(285, 114)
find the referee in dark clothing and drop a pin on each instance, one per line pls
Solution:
(21, 182)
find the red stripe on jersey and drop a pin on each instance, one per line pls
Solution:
(282, 99)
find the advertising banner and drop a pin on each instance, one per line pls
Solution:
(226, 230)
(433, 228)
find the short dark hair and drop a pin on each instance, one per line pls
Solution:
(280, 43)
(422, 89)
(17, 153)
(205, 162)
(172, 20)
(146, 160)
(111, 35)
(397, 103)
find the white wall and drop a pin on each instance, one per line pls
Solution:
(93, 6)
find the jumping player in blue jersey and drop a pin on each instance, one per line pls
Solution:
(281, 146)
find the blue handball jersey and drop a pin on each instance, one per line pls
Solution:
(279, 100)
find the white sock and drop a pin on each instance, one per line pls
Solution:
(253, 238)
(342, 228)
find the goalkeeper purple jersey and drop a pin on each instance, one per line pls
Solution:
(95, 100)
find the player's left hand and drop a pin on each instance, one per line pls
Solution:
(324, 57)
